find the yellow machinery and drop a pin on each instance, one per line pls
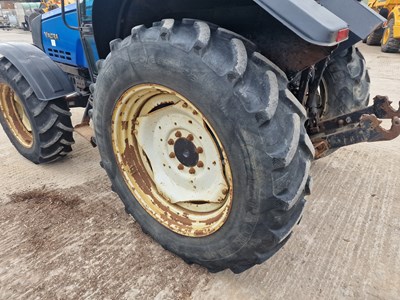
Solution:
(45, 6)
(48, 5)
(388, 35)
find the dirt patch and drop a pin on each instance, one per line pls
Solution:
(80, 244)
(44, 209)
(46, 197)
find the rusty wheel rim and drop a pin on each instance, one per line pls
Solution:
(15, 116)
(180, 175)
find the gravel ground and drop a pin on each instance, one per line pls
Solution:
(65, 235)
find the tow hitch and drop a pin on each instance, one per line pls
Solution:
(357, 127)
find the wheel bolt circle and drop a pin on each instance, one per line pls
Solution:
(172, 155)
(199, 150)
(178, 134)
(200, 164)
(171, 142)
(181, 167)
(190, 137)
(192, 171)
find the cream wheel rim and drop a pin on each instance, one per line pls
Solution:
(15, 115)
(172, 160)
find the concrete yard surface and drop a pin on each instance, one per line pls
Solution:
(65, 235)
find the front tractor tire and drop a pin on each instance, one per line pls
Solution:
(40, 131)
(203, 142)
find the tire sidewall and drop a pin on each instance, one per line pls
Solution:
(340, 83)
(29, 153)
(222, 109)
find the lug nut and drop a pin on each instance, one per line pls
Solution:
(192, 171)
(172, 155)
(190, 137)
(200, 164)
(199, 150)
(181, 167)
(171, 142)
(178, 134)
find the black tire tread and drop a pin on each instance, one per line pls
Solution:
(51, 119)
(374, 39)
(284, 209)
(348, 83)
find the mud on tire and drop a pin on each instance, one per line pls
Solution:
(259, 122)
(51, 132)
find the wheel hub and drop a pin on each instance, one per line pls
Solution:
(176, 129)
(186, 152)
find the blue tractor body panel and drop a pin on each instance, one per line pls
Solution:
(62, 44)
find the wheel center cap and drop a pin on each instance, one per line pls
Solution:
(186, 153)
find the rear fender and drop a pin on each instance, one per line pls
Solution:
(360, 18)
(47, 80)
(308, 19)
(315, 23)
(293, 34)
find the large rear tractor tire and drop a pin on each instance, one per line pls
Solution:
(345, 85)
(203, 142)
(389, 43)
(40, 131)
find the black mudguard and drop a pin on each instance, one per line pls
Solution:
(293, 34)
(315, 22)
(47, 80)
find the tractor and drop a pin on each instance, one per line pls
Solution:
(388, 34)
(207, 114)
